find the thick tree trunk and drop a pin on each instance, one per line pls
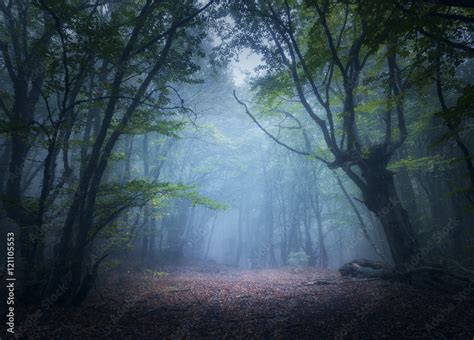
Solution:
(379, 234)
(438, 201)
(13, 206)
(13, 201)
(361, 220)
(405, 187)
(381, 198)
(461, 226)
(6, 154)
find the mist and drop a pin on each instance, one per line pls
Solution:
(236, 169)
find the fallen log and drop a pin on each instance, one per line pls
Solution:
(366, 269)
(427, 275)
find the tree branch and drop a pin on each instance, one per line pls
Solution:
(304, 153)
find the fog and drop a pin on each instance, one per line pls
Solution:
(269, 194)
(236, 168)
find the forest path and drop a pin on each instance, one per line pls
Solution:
(267, 303)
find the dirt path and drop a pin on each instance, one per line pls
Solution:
(277, 303)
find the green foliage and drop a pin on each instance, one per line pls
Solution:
(297, 259)
(198, 199)
(217, 134)
(139, 192)
(145, 123)
(271, 86)
(427, 163)
(156, 274)
(117, 156)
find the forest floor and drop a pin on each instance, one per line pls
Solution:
(222, 302)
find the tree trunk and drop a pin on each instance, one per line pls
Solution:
(213, 225)
(147, 208)
(323, 254)
(292, 232)
(269, 228)
(381, 198)
(405, 187)
(4, 164)
(284, 232)
(307, 233)
(361, 220)
(239, 231)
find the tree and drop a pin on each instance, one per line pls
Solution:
(102, 70)
(149, 34)
(334, 56)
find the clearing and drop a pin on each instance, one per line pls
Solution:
(223, 302)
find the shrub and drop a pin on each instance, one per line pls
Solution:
(298, 259)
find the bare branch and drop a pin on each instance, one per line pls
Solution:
(304, 153)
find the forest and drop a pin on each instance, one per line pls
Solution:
(251, 169)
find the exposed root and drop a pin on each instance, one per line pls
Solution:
(434, 276)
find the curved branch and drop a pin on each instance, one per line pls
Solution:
(300, 127)
(304, 153)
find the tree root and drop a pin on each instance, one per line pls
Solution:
(432, 276)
